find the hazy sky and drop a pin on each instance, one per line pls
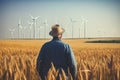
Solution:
(102, 17)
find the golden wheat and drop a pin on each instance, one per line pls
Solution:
(94, 62)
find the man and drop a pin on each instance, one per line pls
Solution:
(58, 53)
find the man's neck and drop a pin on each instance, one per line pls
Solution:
(56, 38)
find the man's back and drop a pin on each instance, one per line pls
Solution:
(58, 53)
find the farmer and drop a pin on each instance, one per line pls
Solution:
(58, 53)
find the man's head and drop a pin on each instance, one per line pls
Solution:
(56, 31)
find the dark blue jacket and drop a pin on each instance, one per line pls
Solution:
(58, 53)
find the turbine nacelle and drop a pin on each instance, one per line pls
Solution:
(34, 18)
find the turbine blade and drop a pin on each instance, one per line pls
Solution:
(37, 17)
(30, 23)
(31, 16)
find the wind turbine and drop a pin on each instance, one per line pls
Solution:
(72, 22)
(46, 24)
(56, 22)
(66, 32)
(12, 31)
(34, 24)
(30, 27)
(19, 27)
(24, 30)
(99, 33)
(39, 31)
(40, 27)
(84, 25)
(79, 32)
(84, 29)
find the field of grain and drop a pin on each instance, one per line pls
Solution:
(95, 61)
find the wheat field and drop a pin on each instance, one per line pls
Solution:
(95, 61)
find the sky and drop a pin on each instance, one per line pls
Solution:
(101, 18)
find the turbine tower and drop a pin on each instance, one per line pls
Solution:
(56, 22)
(72, 22)
(30, 27)
(46, 24)
(34, 25)
(19, 27)
(24, 31)
(12, 31)
(84, 25)
(40, 27)
(66, 36)
(79, 32)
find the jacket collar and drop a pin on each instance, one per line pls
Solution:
(55, 38)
